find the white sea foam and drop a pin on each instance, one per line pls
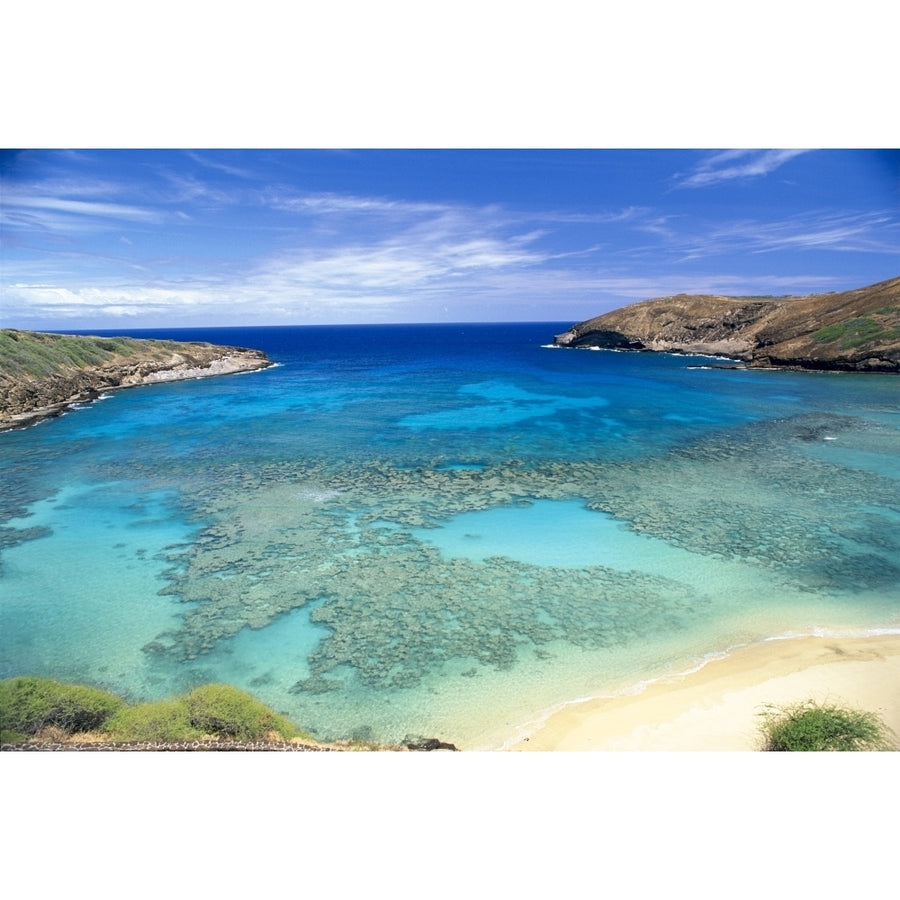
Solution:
(836, 632)
(730, 359)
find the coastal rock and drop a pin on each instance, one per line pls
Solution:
(42, 374)
(428, 744)
(170, 746)
(856, 331)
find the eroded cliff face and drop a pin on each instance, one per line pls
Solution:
(851, 331)
(40, 374)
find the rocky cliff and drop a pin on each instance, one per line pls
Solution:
(855, 331)
(40, 374)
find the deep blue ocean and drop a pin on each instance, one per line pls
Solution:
(443, 530)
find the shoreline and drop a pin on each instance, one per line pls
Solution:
(737, 363)
(229, 364)
(715, 706)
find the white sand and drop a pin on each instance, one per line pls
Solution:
(716, 707)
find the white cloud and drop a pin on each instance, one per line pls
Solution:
(347, 257)
(237, 171)
(399, 275)
(185, 188)
(330, 203)
(23, 211)
(400, 271)
(410, 256)
(873, 232)
(87, 208)
(417, 291)
(731, 164)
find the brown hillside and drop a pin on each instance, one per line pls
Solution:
(855, 330)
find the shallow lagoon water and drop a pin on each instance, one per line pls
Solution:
(443, 530)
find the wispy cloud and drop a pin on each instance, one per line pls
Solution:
(416, 269)
(66, 208)
(200, 244)
(717, 283)
(869, 232)
(382, 285)
(347, 204)
(185, 188)
(735, 164)
(86, 208)
(50, 301)
(409, 272)
(873, 232)
(236, 171)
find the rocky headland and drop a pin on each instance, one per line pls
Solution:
(41, 374)
(853, 331)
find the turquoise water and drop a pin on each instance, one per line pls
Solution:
(443, 530)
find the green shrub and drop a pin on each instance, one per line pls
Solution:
(164, 720)
(28, 705)
(811, 726)
(830, 333)
(38, 355)
(855, 332)
(227, 712)
(214, 709)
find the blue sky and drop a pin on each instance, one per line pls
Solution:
(167, 238)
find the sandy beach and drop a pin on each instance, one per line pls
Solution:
(716, 707)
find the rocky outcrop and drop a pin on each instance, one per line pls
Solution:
(42, 374)
(856, 331)
(163, 746)
(294, 746)
(427, 744)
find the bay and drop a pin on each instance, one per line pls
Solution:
(443, 530)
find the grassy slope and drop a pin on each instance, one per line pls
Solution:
(38, 370)
(32, 354)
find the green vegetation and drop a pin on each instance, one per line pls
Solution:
(810, 726)
(165, 720)
(226, 711)
(214, 709)
(30, 705)
(37, 355)
(855, 332)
